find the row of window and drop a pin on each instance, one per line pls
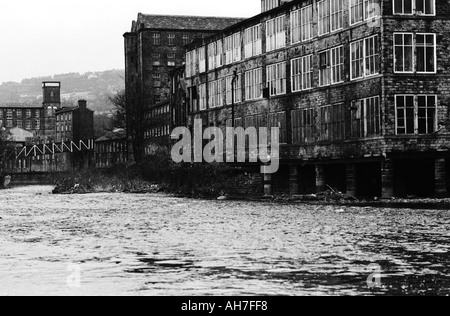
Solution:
(9, 114)
(171, 59)
(64, 117)
(171, 39)
(412, 53)
(329, 19)
(63, 128)
(415, 114)
(158, 132)
(28, 124)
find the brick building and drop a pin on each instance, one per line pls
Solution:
(111, 149)
(153, 48)
(74, 124)
(45, 124)
(359, 89)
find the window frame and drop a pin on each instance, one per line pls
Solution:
(252, 85)
(415, 113)
(414, 53)
(413, 9)
(364, 57)
(276, 33)
(277, 81)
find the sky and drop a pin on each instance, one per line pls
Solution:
(47, 37)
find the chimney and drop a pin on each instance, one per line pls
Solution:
(82, 104)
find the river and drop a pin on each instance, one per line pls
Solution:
(125, 244)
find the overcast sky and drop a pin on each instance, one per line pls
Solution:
(48, 37)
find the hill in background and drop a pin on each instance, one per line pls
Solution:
(95, 87)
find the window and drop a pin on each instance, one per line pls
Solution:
(191, 67)
(267, 5)
(337, 64)
(28, 125)
(171, 39)
(324, 68)
(171, 60)
(28, 113)
(403, 50)
(156, 39)
(202, 97)
(366, 118)
(19, 123)
(416, 114)
(38, 124)
(186, 39)
(156, 59)
(215, 55)
(303, 125)
(324, 16)
(307, 23)
(426, 53)
(1, 114)
(237, 89)
(301, 72)
(424, 47)
(275, 33)
(252, 41)
(156, 80)
(9, 123)
(215, 93)
(332, 122)
(331, 70)
(337, 14)
(19, 114)
(276, 79)
(275, 120)
(364, 58)
(253, 84)
(233, 48)
(296, 35)
(202, 59)
(363, 10)
(9, 114)
(296, 74)
(356, 11)
(418, 7)
(37, 114)
(371, 56)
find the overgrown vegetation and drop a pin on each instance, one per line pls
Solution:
(156, 173)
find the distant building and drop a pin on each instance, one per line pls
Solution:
(75, 124)
(111, 149)
(45, 124)
(154, 47)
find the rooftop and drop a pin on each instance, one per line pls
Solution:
(21, 106)
(119, 134)
(183, 22)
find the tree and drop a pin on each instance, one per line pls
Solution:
(6, 151)
(132, 106)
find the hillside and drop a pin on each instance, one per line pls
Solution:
(95, 87)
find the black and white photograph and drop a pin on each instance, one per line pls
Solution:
(225, 153)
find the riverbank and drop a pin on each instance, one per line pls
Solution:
(130, 180)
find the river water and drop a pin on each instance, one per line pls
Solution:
(125, 244)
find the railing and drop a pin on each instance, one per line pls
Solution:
(55, 148)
